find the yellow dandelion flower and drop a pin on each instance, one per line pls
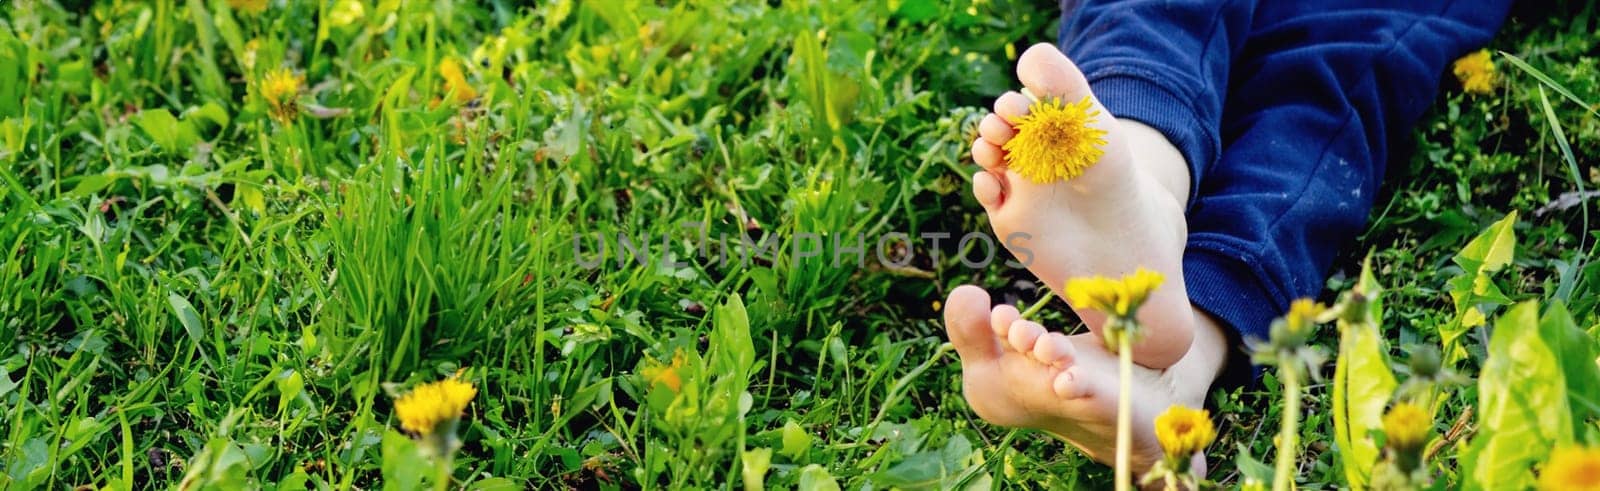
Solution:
(455, 80)
(1183, 431)
(1118, 298)
(1406, 426)
(1571, 469)
(655, 372)
(1303, 314)
(1476, 72)
(1055, 141)
(429, 406)
(280, 88)
(249, 6)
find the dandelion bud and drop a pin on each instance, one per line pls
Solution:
(1425, 361)
(1353, 306)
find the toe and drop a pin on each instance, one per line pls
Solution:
(987, 155)
(1053, 349)
(1011, 106)
(1066, 386)
(1000, 319)
(1024, 333)
(1078, 381)
(988, 189)
(1045, 71)
(966, 320)
(995, 129)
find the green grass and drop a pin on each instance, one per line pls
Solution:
(189, 288)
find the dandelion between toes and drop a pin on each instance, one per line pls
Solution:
(1107, 227)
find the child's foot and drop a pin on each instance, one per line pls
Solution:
(1122, 213)
(1015, 373)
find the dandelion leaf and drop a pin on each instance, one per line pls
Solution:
(1486, 254)
(1362, 386)
(1522, 404)
(1576, 351)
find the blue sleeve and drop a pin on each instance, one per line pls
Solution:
(1164, 63)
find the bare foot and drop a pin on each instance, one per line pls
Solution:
(1016, 373)
(1122, 213)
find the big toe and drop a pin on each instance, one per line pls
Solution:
(966, 320)
(1045, 71)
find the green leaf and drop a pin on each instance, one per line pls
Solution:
(221, 464)
(917, 11)
(296, 480)
(251, 196)
(1487, 253)
(816, 478)
(1522, 404)
(495, 484)
(1250, 467)
(290, 385)
(190, 319)
(160, 125)
(929, 469)
(1560, 136)
(167, 131)
(1362, 386)
(735, 352)
(404, 465)
(1492, 249)
(6, 384)
(210, 111)
(1549, 82)
(92, 183)
(1576, 350)
(753, 466)
(795, 440)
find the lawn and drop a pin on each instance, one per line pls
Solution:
(233, 233)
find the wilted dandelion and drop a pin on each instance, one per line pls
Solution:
(1476, 72)
(455, 81)
(280, 88)
(1571, 469)
(655, 372)
(1055, 141)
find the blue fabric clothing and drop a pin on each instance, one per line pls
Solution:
(1287, 111)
